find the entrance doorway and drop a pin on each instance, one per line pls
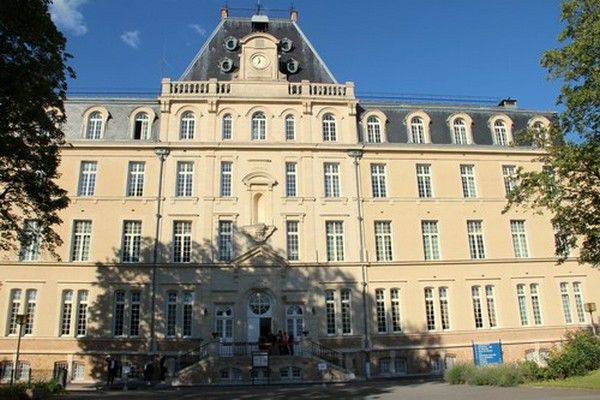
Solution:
(260, 316)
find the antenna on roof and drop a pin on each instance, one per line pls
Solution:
(258, 7)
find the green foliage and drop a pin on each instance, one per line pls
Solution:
(48, 387)
(17, 391)
(567, 187)
(22, 391)
(457, 375)
(579, 355)
(532, 371)
(497, 375)
(33, 87)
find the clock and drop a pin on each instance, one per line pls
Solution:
(259, 61)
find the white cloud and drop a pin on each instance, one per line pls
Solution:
(200, 30)
(131, 38)
(66, 15)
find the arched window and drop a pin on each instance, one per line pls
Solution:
(417, 130)
(226, 127)
(187, 126)
(500, 133)
(329, 128)
(290, 127)
(94, 126)
(259, 126)
(459, 128)
(141, 126)
(373, 130)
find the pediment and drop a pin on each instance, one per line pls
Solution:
(260, 256)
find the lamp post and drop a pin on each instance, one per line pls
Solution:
(591, 307)
(20, 320)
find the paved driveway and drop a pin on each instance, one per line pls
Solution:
(384, 390)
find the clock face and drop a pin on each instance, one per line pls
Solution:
(259, 61)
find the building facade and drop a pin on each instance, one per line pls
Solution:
(257, 194)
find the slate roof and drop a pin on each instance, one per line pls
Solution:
(205, 66)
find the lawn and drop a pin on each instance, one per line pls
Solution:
(590, 381)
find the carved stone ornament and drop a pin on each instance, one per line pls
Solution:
(259, 233)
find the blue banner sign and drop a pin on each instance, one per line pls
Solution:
(487, 353)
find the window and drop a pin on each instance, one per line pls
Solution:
(182, 241)
(430, 309)
(400, 366)
(329, 128)
(23, 372)
(224, 321)
(523, 314)
(508, 175)
(436, 365)
(227, 127)
(187, 126)
(290, 127)
(259, 126)
(290, 179)
(395, 308)
(330, 311)
(519, 238)
(30, 242)
(384, 365)
(383, 240)
(185, 178)
(476, 244)
(171, 313)
(292, 239)
(132, 238)
(579, 301)
(82, 237)
(66, 313)
(78, 371)
(134, 318)
(431, 247)
(373, 130)
(290, 373)
(295, 321)
(188, 308)
(30, 311)
(231, 374)
(380, 311)
(491, 305)
(459, 130)
(467, 175)
(444, 308)
(94, 126)
(501, 133)
(225, 240)
(534, 296)
(378, 180)
(87, 178)
(476, 298)
(226, 179)
(346, 311)
(141, 126)
(566, 303)
(424, 180)
(417, 130)
(332, 179)
(15, 307)
(82, 306)
(335, 240)
(535, 303)
(119, 314)
(135, 179)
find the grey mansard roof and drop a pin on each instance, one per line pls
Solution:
(205, 66)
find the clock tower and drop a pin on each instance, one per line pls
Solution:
(259, 58)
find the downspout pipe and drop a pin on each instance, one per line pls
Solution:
(162, 153)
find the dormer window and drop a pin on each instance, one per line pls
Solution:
(539, 126)
(141, 126)
(417, 130)
(187, 126)
(94, 126)
(500, 133)
(373, 130)
(329, 128)
(259, 126)
(459, 129)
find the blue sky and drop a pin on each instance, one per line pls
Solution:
(455, 48)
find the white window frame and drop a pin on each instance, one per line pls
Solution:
(508, 177)
(378, 180)
(290, 127)
(226, 179)
(424, 181)
(187, 125)
(184, 184)
(227, 127)
(331, 179)
(374, 131)
(131, 241)
(476, 239)
(141, 126)
(182, 241)
(259, 126)
(329, 127)
(292, 240)
(383, 241)
(135, 178)
(519, 238)
(87, 178)
(225, 240)
(30, 243)
(335, 240)
(291, 181)
(81, 240)
(469, 184)
(431, 240)
(94, 127)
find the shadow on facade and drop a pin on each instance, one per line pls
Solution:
(258, 268)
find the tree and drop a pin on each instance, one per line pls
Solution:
(568, 185)
(33, 86)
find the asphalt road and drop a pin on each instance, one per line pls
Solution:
(383, 390)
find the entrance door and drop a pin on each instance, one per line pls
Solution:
(224, 329)
(260, 313)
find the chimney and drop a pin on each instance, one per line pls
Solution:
(224, 12)
(294, 15)
(508, 103)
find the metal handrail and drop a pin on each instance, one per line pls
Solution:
(325, 353)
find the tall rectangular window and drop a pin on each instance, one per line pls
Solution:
(383, 240)
(332, 179)
(424, 180)
(395, 303)
(578, 294)
(378, 184)
(30, 311)
(508, 176)
(477, 312)
(132, 238)
(429, 309)
(30, 243)
(182, 241)
(226, 179)
(292, 239)
(522, 300)
(491, 305)
(467, 176)
(380, 311)
(135, 179)
(171, 313)
(335, 240)
(227, 127)
(346, 311)
(330, 311)
(519, 238)
(15, 307)
(87, 178)
(444, 308)
(535, 303)
(82, 307)
(290, 179)
(185, 178)
(82, 237)
(225, 240)
(566, 302)
(66, 313)
(188, 307)
(134, 311)
(119, 314)
(431, 247)
(476, 244)
(290, 128)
